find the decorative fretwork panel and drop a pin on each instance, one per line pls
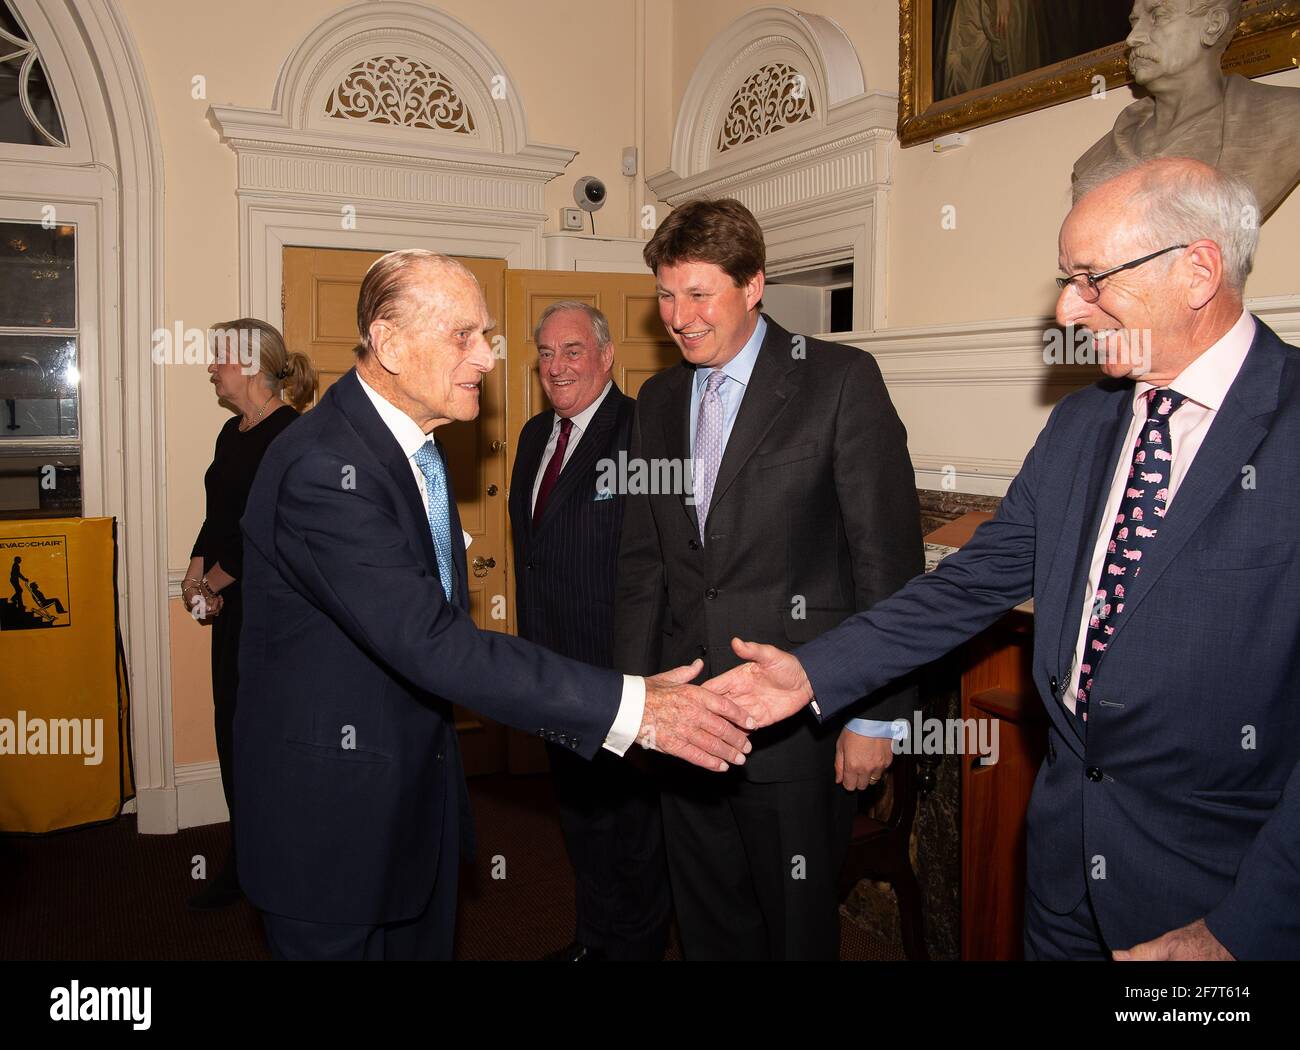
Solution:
(404, 92)
(771, 98)
(29, 113)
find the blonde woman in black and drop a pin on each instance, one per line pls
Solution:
(254, 374)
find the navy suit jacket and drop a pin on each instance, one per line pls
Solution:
(1185, 794)
(566, 567)
(348, 773)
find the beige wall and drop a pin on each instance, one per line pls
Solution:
(576, 68)
(573, 65)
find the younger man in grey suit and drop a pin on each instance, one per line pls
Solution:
(803, 511)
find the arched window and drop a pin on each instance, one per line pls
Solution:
(29, 112)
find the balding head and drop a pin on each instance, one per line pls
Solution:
(387, 289)
(1176, 200)
(423, 323)
(1175, 239)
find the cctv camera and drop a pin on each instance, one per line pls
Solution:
(589, 193)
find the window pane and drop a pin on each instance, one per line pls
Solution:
(38, 386)
(21, 72)
(38, 276)
(40, 486)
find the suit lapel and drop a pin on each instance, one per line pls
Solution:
(361, 413)
(529, 463)
(1238, 428)
(576, 473)
(457, 539)
(1068, 575)
(771, 386)
(677, 432)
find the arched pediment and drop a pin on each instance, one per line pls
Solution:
(774, 70)
(395, 79)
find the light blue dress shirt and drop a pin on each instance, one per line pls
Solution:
(739, 370)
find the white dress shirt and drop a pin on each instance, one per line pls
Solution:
(406, 431)
(1205, 384)
(580, 424)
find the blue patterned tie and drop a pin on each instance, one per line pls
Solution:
(1141, 512)
(435, 483)
(708, 445)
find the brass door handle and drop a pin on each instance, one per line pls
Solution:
(497, 446)
(482, 565)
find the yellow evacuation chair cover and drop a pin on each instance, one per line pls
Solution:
(65, 756)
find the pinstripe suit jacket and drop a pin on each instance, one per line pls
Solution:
(565, 568)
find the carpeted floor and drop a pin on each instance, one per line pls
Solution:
(107, 893)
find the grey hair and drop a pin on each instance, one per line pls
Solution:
(386, 288)
(1179, 202)
(599, 322)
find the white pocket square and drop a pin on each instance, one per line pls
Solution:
(468, 538)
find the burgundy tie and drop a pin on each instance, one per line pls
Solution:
(553, 468)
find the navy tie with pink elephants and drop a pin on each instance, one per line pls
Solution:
(1146, 498)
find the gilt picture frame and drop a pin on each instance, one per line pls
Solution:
(950, 79)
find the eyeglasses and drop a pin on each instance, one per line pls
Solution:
(1085, 284)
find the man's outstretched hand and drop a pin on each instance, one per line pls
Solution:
(691, 723)
(770, 686)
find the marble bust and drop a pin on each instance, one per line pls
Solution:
(1192, 109)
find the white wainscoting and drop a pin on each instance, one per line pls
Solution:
(975, 396)
(199, 798)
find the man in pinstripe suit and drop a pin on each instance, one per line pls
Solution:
(566, 526)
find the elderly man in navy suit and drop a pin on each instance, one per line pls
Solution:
(357, 640)
(1156, 523)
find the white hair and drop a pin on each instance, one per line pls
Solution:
(1180, 202)
(599, 323)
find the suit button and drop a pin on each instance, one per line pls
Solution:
(530, 566)
(1093, 773)
(711, 593)
(704, 650)
(695, 545)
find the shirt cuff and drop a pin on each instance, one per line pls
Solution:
(895, 730)
(631, 709)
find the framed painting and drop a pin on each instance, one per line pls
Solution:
(966, 63)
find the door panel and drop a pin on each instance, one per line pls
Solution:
(320, 319)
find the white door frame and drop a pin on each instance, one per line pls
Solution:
(109, 178)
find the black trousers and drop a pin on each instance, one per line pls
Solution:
(225, 689)
(613, 832)
(755, 866)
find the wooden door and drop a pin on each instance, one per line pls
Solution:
(641, 348)
(320, 319)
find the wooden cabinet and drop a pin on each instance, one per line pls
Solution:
(996, 685)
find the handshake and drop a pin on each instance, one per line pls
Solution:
(708, 725)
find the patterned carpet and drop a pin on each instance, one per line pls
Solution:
(106, 893)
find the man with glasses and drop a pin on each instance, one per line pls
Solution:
(1155, 523)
